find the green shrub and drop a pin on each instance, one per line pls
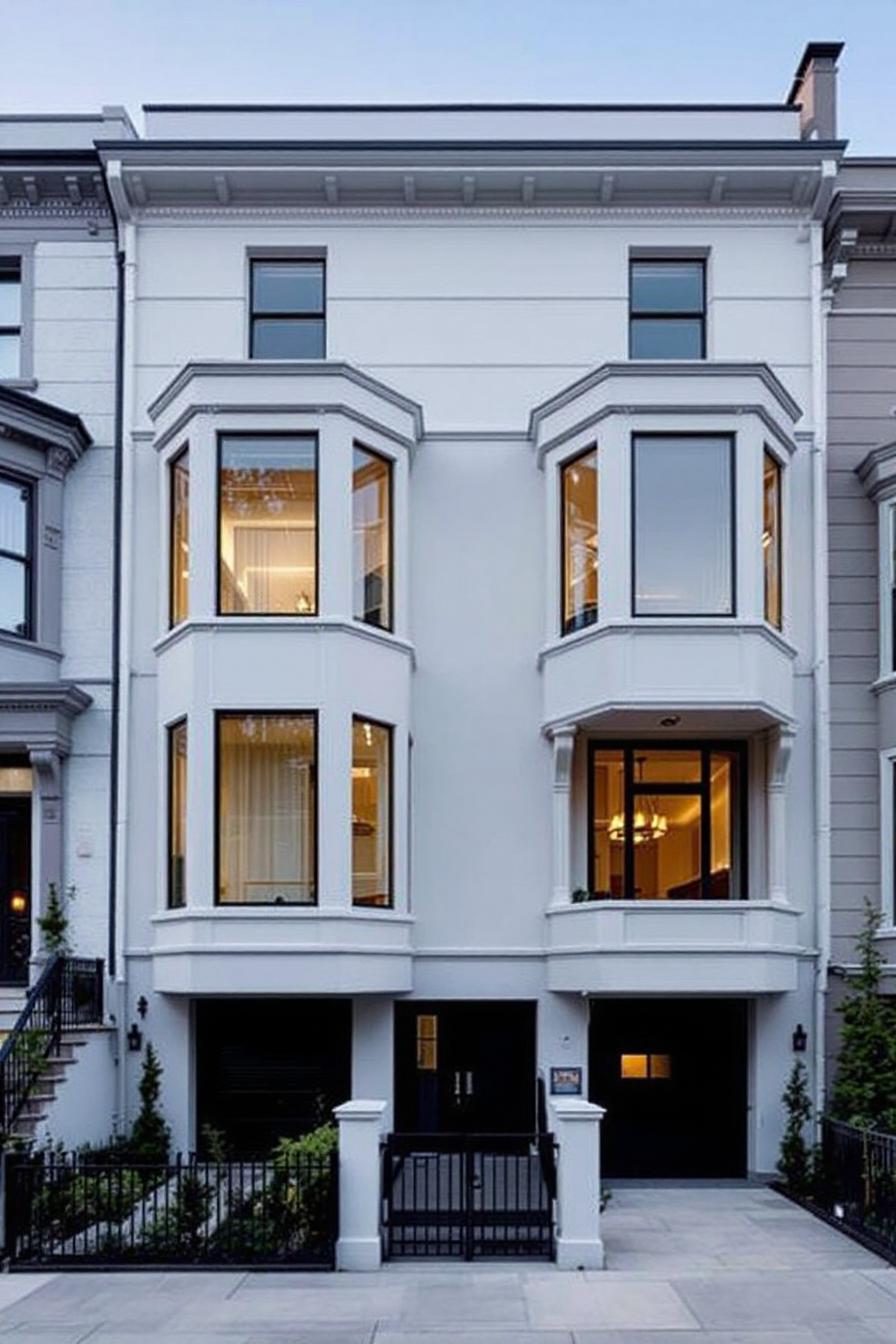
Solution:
(796, 1161)
(864, 1091)
(150, 1138)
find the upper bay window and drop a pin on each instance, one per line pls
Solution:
(10, 317)
(267, 808)
(372, 538)
(683, 506)
(667, 823)
(15, 557)
(288, 313)
(771, 540)
(579, 521)
(667, 303)
(267, 525)
(179, 538)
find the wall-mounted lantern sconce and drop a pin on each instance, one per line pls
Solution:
(18, 903)
(800, 1039)
(142, 1006)
(135, 1037)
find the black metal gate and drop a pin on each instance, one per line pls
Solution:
(469, 1195)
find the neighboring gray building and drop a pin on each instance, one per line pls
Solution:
(861, 253)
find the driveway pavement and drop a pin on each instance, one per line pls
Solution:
(686, 1266)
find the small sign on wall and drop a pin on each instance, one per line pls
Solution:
(566, 1082)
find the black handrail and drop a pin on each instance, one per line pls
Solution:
(68, 994)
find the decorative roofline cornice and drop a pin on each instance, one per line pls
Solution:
(664, 370)
(478, 213)
(295, 369)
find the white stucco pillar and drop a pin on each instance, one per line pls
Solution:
(360, 1130)
(46, 830)
(563, 739)
(780, 748)
(576, 1126)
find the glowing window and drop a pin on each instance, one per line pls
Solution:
(427, 1042)
(645, 1066)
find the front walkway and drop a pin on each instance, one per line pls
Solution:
(686, 1266)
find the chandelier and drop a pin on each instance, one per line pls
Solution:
(648, 822)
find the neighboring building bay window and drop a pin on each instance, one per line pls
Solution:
(177, 815)
(10, 317)
(372, 538)
(771, 539)
(667, 303)
(371, 813)
(179, 564)
(287, 309)
(15, 557)
(267, 525)
(683, 498)
(579, 541)
(888, 615)
(267, 808)
(667, 823)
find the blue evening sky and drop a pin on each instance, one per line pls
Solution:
(74, 55)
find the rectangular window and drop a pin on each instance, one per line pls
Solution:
(287, 309)
(10, 317)
(15, 557)
(683, 525)
(267, 525)
(891, 588)
(371, 813)
(179, 528)
(267, 809)
(645, 1066)
(667, 309)
(177, 815)
(668, 823)
(372, 538)
(579, 514)
(771, 538)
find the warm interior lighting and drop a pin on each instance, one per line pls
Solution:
(18, 903)
(648, 823)
(633, 1066)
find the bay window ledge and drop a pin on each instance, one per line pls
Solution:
(282, 950)
(688, 666)
(292, 624)
(719, 947)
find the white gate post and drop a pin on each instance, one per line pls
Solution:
(576, 1125)
(360, 1130)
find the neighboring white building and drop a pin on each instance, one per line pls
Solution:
(472, 674)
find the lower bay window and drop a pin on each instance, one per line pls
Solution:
(371, 813)
(667, 823)
(267, 808)
(177, 815)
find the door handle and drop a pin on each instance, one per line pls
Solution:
(469, 1089)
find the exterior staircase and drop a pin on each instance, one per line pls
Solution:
(42, 1094)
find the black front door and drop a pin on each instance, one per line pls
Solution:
(672, 1074)
(270, 1068)
(465, 1067)
(15, 890)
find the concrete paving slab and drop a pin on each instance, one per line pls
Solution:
(773, 1300)
(801, 1335)
(577, 1303)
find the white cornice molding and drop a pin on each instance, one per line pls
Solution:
(479, 213)
(877, 471)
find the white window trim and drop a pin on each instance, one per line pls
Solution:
(887, 838)
(886, 535)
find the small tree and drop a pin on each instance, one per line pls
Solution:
(795, 1163)
(150, 1137)
(54, 924)
(864, 1090)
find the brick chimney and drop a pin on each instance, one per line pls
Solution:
(814, 90)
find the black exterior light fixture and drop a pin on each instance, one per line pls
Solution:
(142, 1006)
(800, 1039)
(135, 1037)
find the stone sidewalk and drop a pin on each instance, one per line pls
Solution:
(686, 1266)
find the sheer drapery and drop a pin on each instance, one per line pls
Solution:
(371, 813)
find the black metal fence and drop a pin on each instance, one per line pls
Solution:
(72, 1210)
(68, 995)
(469, 1196)
(857, 1182)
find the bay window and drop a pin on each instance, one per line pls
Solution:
(372, 538)
(771, 539)
(15, 557)
(179, 538)
(667, 823)
(267, 524)
(371, 813)
(177, 815)
(683, 506)
(579, 541)
(267, 808)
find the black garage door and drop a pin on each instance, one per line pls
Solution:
(672, 1074)
(268, 1068)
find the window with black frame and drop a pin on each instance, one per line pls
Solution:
(667, 309)
(579, 540)
(288, 308)
(10, 317)
(15, 557)
(177, 815)
(667, 822)
(371, 538)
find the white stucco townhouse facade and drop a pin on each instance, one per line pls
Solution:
(472, 672)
